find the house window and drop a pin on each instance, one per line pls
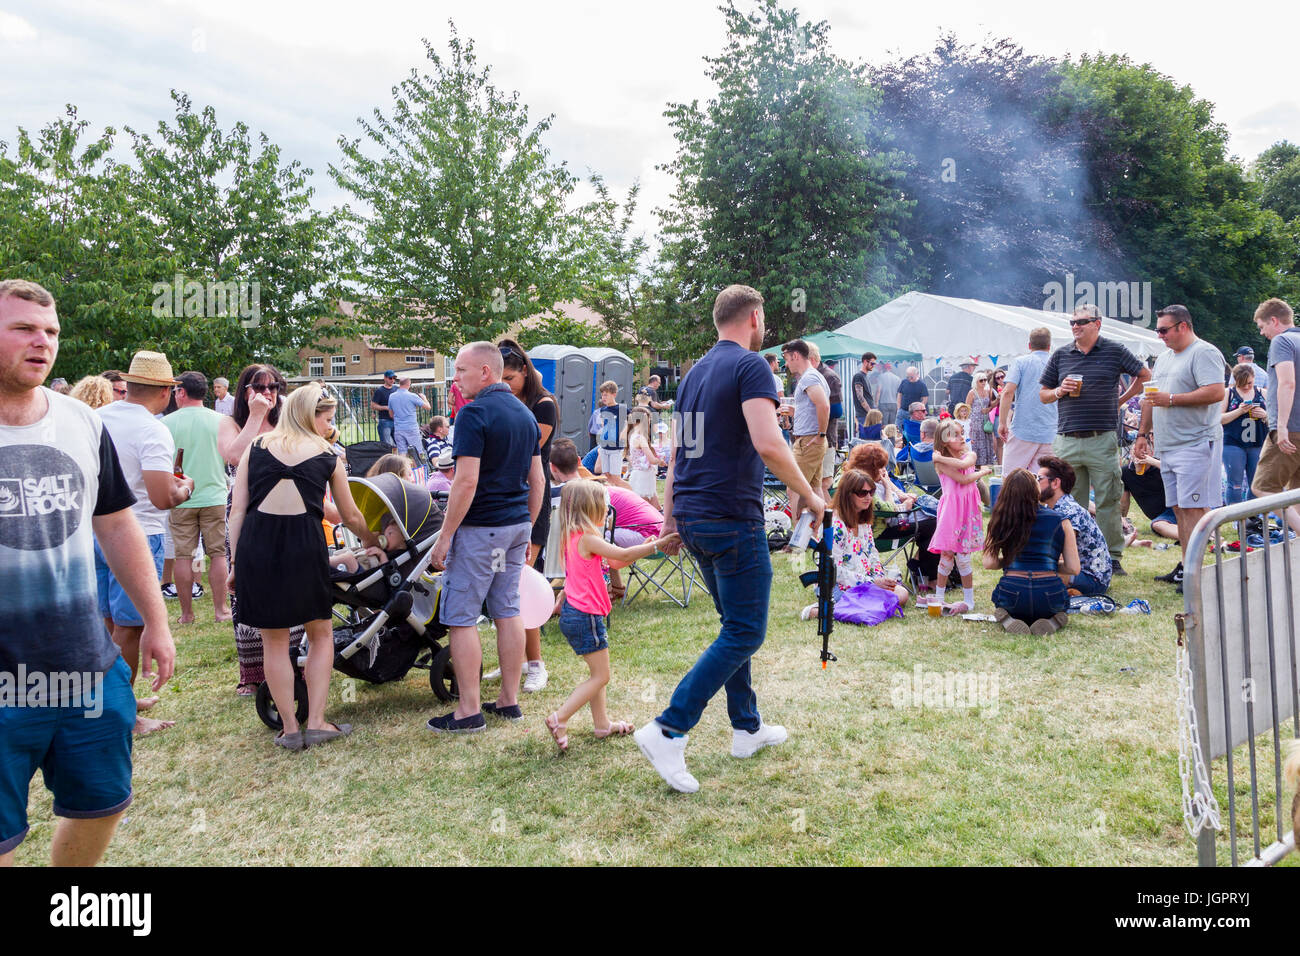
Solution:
(338, 365)
(448, 368)
(356, 360)
(415, 360)
(316, 366)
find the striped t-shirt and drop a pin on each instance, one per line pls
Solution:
(1097, 406)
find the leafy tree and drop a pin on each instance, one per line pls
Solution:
(784, 182)
(70, 220)
(466, 228)
(613, 282)
(995, 170)
(1183, 212)
(230, 213)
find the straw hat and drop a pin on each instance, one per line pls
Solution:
(445, 460)
(150, 368)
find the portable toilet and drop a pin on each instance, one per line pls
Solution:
(611, 365)
(567, 374)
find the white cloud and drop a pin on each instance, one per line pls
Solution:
(14, 29)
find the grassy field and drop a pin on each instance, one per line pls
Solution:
(1071, 759)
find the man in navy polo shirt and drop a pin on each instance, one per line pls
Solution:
(494, 500)
(714, 499)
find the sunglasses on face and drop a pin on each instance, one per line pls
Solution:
(260, 388)
(1167, 329)
(1079, 322)
(867, 493)
(1044, 477)
(119, 391)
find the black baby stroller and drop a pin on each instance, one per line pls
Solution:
(386, 617)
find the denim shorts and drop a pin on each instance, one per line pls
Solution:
(113, 601)
(584, 632)
(82, 749)
(1031, 599)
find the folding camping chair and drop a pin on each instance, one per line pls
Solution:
(925, 473)
(895, 534)
(664, 572)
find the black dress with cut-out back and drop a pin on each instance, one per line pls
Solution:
(282, 563)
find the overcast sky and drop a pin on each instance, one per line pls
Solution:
(303, 72)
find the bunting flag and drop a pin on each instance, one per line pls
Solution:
(938, 361)
(993, 360)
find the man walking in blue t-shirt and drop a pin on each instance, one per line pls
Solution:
(727, 431)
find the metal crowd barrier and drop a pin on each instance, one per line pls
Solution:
(1238, 672)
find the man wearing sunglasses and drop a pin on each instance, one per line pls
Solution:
(1083, 379)
(1184, 416)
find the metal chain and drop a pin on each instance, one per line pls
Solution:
(1200, 809)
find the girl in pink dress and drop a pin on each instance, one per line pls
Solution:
(959, 529)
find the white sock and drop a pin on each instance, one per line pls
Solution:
(534, 665)
(938, 593)
(968, 595)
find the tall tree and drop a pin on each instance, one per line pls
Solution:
(997, 173)
(613, 278)
(1183, 211)
(466, 229)
(70, 219)
(232, 215)
(784, 182)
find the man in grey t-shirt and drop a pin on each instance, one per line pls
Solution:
(812, 412)
(1184, 415)
(1279, 462)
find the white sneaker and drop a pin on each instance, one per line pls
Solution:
(535, 677)
(667, 755)
(745, 744)
(494, 674)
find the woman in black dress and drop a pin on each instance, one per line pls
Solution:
(279, 554)
(525, 382)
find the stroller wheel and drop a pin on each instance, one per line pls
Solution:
(270, 714)
(442, 676)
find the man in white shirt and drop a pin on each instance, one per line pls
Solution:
(223, 402)
(146, 452)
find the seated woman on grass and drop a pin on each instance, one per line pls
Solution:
(1027, 541)
(856, 557)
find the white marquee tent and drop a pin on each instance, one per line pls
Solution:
(947, 329)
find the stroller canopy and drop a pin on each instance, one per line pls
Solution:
(411, 506)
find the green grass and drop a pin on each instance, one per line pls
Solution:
(1075, 764)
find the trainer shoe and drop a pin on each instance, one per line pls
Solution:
(745, 744)
(535, 677)
(448, 724)
(1174, 576)
(494, 674)
(196, 589)
(1117, 569)
(169, 590)
(667, 755)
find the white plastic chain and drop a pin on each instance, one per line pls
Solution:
(1200, 809)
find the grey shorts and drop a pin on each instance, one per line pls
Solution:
(1193, 475)
(611, 461)
(483, 564)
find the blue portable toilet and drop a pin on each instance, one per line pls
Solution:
(567, 374)
(611, 365)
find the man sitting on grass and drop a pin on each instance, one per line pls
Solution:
(1055, 482)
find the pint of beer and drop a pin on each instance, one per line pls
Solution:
(936, 607)
(1149, 389)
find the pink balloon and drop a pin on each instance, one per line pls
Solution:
(536, 599)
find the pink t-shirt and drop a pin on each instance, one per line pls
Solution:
(584, 584)
(635, 513)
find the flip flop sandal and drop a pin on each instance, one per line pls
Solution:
(616, 728)
(290, 741)
(557, 730)
(961, 607)
(245, 690)
(313, 737)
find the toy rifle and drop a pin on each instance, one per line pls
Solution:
(824, 578)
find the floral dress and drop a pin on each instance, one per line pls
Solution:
(960, 525)
(981, 442)
(856, 557)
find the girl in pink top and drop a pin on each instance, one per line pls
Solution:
(586, 602)
(959, 530)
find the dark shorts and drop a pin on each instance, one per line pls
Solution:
(584, 632)
(83, 751)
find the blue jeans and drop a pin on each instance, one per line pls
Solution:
(1087, 585)
(733, 558)
(386, 431)
(1030, 599)
(1240, 464)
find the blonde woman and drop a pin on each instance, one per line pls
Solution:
(279, 554)
(95, 390)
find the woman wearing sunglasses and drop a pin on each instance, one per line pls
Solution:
(854, 548)
(259, 398)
